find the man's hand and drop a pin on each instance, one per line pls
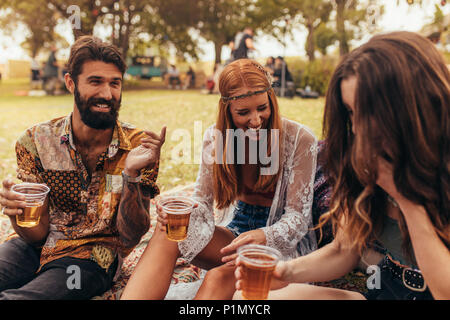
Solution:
(12, 203)
(146, 153)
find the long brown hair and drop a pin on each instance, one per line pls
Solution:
(242, 73)
(402, 106)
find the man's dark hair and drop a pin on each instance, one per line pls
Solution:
(90, 48)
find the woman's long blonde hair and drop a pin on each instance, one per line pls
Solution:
(242, 73)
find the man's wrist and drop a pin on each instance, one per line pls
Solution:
(132, 172)
(132, 177)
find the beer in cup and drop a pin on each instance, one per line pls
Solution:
(178, 210)
(35, 195)
(257, 265)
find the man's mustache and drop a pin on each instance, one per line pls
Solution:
(112, 103)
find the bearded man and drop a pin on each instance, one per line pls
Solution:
(101, 173)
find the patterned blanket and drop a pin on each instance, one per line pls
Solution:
(186, 278)
(184, 273)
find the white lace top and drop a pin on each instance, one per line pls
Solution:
(290, 214)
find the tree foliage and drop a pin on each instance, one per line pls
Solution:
(36, 16)
(218, 21)
(179, 24)
(311, 14)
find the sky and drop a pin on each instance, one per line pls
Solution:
(401, 17)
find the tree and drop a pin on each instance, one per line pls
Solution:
(219, 21)
(129, 21)
(126, 18)
(354, 14)
(89, 13)
(313, 13)
(340, 26)
(172, 22)
(438, 28)
(324, 36)
(37, 17)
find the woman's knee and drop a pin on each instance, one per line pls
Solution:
(220, 274)
(218, 284)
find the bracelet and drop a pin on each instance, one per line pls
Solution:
(127, 178)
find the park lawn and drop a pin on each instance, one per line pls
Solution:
(149, 109)
(186, 114)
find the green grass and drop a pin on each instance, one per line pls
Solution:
(146, 109)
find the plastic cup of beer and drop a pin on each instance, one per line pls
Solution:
(257, 265)
(178, 210)
(35, 194)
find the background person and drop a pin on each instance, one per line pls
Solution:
(35, 68)
(270, 65)
(283, 78)
(189, 82)
(50, 74)
(174, 77)
(243, 44)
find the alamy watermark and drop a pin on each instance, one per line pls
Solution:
(229, 148)
(74, 280)
(374, 280)
(75, 16)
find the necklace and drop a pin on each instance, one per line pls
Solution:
(392, 200)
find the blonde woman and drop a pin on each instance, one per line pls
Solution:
(263, 199)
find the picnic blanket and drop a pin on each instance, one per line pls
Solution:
(186, 278)
(183, 273)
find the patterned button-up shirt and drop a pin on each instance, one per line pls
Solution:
(83, 207)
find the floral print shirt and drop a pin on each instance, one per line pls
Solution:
(83, 207)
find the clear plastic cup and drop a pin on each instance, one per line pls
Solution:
(178, 210)
(35, 195)
(257, 265)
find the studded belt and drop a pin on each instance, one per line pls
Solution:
(412, 279)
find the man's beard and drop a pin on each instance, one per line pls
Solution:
(97, 120)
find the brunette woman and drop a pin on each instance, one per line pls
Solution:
(387, 129)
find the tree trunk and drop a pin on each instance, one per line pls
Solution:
(310, 44)
(125, 40)
(218, 50)
(340, 27)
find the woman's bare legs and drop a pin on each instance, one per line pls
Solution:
(153, 273)
(210, 257)
(219, 280)
(218, 284)
(300, 291)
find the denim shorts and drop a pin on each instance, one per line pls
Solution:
(248, 217)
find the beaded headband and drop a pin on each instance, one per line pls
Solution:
(245, 95)
(252, 93)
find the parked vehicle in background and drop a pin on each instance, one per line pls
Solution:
(147, 67)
